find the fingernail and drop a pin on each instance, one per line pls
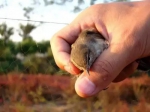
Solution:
(85, 86)
(67, 68)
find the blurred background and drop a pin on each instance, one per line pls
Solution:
(30, 81)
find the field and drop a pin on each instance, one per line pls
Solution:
(46, 93)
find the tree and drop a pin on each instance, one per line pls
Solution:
(27, 10)
(27, 46)
(25, 30)
(43, 46)
(7, 47)
(6, 32)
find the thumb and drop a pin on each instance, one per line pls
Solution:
(104, 70)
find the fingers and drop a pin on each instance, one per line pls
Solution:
(61, 42)
(61, 46)
(127, 71)
(72, 69)
(105, 69)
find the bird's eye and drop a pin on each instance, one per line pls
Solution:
(89, 58)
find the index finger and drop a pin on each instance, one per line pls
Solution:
(61, 44)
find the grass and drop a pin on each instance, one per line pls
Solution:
(45, 93)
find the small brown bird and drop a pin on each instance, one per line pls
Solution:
(89, 45)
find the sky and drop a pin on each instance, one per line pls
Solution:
(51, 13)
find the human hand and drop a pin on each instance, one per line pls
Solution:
(125, 26)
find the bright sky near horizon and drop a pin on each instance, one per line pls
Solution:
(52, 13)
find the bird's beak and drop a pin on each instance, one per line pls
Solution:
(87, 64)
(88, 71)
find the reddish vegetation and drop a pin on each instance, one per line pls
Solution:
(30, 81)
(130, 94)
(27, 88)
